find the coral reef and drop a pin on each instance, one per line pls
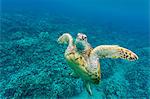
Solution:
(30, 68)
(32, 64)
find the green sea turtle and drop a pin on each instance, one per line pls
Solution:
(84, 60)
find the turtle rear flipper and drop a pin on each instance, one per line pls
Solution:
(114, 51)
(75, 75)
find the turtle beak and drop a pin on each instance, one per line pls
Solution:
(79, 35)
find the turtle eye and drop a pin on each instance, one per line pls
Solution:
(83, 37)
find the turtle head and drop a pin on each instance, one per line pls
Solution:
(81, 37)
(81, 42)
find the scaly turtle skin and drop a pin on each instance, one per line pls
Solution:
(84, 60)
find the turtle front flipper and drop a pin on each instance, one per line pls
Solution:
(113, 51)
(88, 87)
(65, 38)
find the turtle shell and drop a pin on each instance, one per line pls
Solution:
(80, 66)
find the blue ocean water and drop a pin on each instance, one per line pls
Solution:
(32, 63)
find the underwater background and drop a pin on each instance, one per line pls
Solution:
(32, 64)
